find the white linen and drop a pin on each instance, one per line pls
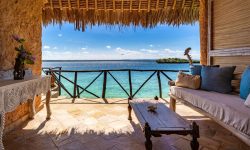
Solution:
(14, 92)
(229, 109)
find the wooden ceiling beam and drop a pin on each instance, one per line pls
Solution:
(122, 5)
(173, 7)
(139, 5)
(87, 4)
(149, 3)
(192, 5)
(130, 5)
(78, 4)
(157, 4)
(105, 5)
(60, 4)
(183, 3)
(51, 4)
(96, 5)
(166, 4)
(69, 4)
(113, 5)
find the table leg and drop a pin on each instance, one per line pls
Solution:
(2, 119)
(172, 104)
(194, 143)
(32, 110)
(48, 95)
(129, 112)
(147, 132)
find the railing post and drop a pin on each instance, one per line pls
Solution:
(75, 85)
(59, 86)
(78, 92)
(159, 83)
(130, 84)
(104, 84)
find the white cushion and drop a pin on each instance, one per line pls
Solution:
(247, 102)
(227, 108)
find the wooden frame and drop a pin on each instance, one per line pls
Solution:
(245, 138)
(209, 41)
(244, 51)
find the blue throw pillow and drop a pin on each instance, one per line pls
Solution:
(245, 84)
(217, 79)
(195, 69)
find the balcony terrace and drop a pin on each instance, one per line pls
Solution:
(91, 124)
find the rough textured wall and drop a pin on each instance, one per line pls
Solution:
(21, 17)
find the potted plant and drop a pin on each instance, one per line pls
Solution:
(23, 57)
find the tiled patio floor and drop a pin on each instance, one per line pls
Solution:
(92, 126)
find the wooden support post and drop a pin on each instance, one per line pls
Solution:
(172, 104)
(78, 92)
(130, 84)
(104, 84)
(59, 85)
(48, 96)
(75, 85)
(203, 20)
(159, 83)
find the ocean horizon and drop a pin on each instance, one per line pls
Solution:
(149, 90)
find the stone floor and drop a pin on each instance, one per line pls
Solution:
(92, 124)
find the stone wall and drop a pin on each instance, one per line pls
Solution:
(24, 18)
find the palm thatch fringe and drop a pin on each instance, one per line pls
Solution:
(186, 12)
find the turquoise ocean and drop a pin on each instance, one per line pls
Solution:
(149, 90)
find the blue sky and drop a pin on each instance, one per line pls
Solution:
(105, 43)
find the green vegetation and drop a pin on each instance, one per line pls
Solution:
(175, 60)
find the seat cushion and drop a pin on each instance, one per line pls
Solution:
(227, 108)
(245, 84)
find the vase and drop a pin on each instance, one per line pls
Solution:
(19, 71)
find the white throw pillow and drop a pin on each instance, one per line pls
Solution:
(247, 102)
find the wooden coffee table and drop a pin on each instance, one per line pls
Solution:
(162, 121)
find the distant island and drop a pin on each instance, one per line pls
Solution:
(175, 60)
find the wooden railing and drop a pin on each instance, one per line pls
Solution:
(57, 72)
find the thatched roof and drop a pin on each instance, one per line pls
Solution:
(147, 13)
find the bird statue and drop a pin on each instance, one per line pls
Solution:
(186, 53)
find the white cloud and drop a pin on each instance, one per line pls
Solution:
(84, 52)
(118, 53)
(83, 48)
(55, 48)
(108, 46)
(151, 45)
(46, 47)
(59, 35)
(122, 51)
(149, 50)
